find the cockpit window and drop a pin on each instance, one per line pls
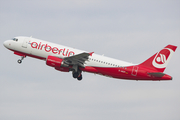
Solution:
(15, 39)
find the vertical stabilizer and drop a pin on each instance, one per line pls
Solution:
(160, 60)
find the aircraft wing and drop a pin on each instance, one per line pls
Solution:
(78, 59)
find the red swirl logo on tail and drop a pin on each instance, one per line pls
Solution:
(161, 59)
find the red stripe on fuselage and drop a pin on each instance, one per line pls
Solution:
(125, 73)
(115, 72)
(25, 54)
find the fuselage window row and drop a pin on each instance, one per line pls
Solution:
(104, 62)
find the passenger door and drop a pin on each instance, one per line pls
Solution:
(134, 71)
(25, 43)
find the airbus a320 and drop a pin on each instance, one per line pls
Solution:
(66, 59)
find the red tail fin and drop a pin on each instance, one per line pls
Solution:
(160, 60)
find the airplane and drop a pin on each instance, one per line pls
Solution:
(66, 59)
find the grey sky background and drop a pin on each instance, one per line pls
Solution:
(127, 30)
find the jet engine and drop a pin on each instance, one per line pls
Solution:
(53, 61)
(57, 63)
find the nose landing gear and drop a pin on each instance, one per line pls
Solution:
(20, 60)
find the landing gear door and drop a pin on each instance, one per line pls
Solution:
(134, 71)
(25, 43)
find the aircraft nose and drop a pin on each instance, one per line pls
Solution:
(6, 43)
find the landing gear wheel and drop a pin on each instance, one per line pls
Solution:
(76, 72)
(75, 75)
(19, 61)
(80, 77)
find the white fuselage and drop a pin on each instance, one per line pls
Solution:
(40, 48)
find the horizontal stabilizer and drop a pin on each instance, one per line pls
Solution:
(156, 74)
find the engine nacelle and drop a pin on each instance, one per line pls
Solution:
(57, 63)
(54, 61)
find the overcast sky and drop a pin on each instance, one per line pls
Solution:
(127, 30)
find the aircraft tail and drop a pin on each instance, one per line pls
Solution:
(160, 60)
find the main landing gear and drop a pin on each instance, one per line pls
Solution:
(20, 60)
(77, 73)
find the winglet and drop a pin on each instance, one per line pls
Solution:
(91, 53)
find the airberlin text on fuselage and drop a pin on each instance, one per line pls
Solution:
(54, 50)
